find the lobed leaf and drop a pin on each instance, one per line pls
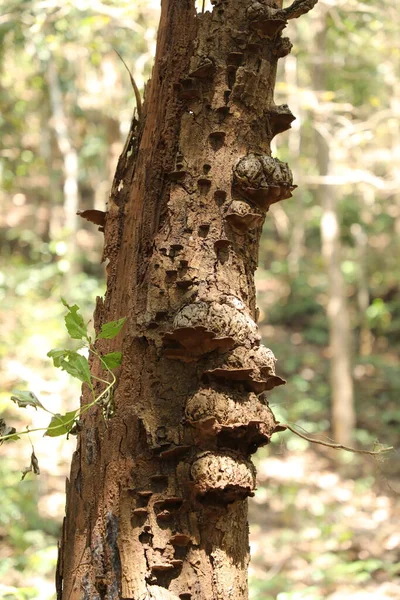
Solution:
(61, 424)
(112, 360)
(111, 329)
(57, 356)
(25, 398)
(76, 365)
(74, 322)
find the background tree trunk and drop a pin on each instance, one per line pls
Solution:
(156, 500)
(70, 166)
(340, 336)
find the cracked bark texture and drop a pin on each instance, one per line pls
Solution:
(156, 500)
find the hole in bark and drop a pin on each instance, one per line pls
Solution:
(217, 140)
(180, 552)
(176, 175)
(220, 197)
(101, 587)
(206, 169)
(161, 315)
(175, 249)
(184, 284)
(184, 263)
(204, 185)
(185, 596)
(231, 76)
(159, 482)
(223, 256)
(204, 230)
(170, 276)
(227, 94)
(222, 244)
(222, 250)
(146, 538)
(161, 433)
(188, 89)
(143, 501)
(222, 112)
(235, 58)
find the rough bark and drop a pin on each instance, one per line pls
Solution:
(156, 501)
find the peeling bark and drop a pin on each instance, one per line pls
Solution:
(156, 502)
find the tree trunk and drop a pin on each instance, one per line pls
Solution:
(156, 501)
(340, 336)
(70, 165)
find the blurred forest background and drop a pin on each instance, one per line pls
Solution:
(324, 525)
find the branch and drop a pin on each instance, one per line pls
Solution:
(134, 86)
(334, 445)
(298, 8)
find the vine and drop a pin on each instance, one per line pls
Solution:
(78, 366)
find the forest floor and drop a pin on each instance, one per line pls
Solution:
(325, 526)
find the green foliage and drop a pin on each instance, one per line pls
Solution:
(74, 323)
(110, 330)
(24, 399)
(31, 538)
(61, 424)
(77, 366)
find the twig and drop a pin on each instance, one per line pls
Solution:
(334, 445)
(135, 87)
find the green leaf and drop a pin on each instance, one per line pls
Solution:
(112, 360)
(111, 329)
(24, 399)
(57, 356)
(74, 322)
(6, 430)
(77, 366)
(61, 424)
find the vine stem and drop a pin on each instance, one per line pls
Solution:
(335, 445)
(80, 411)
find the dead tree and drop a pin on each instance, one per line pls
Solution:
(156, 500)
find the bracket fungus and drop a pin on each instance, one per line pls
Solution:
(222, 477)
(203, 327)
(263, 180)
